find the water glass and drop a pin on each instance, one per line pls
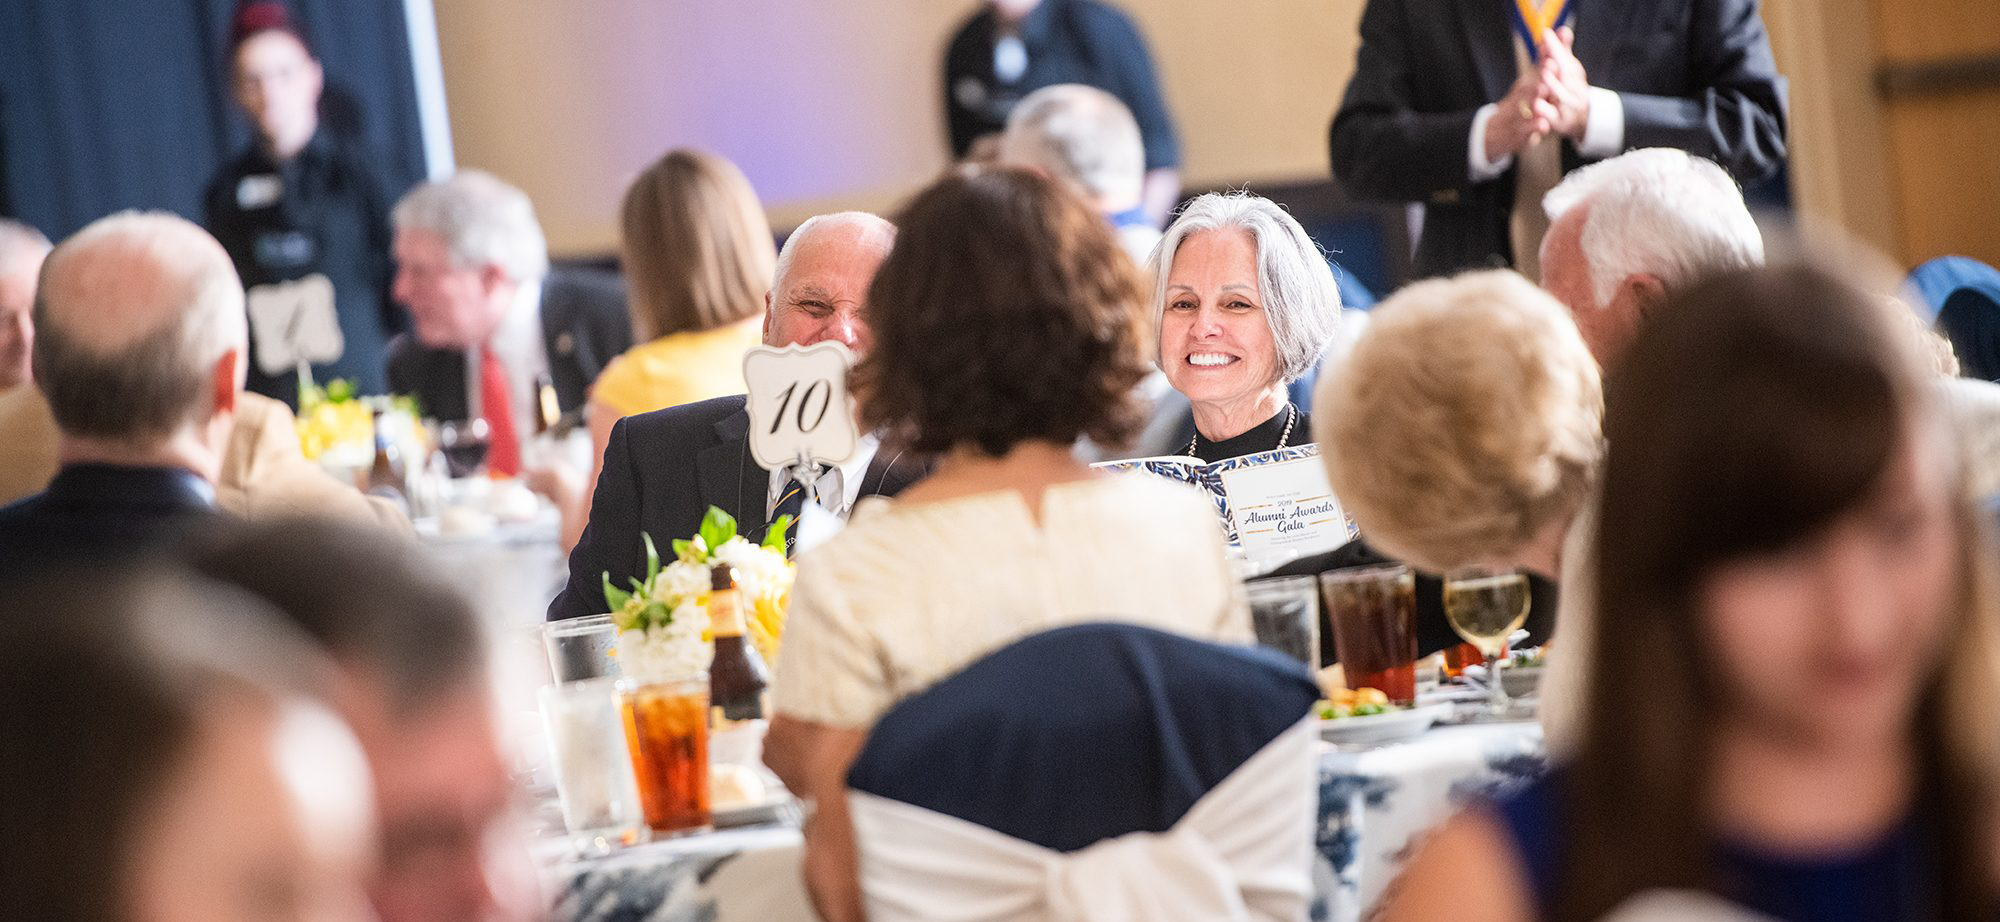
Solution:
(594, 782)
(1284, 613)
(582, 648)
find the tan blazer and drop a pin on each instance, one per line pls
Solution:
(263, 476)
(27, 443)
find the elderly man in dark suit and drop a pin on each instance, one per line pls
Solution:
(139, 351)
(494, 325)
(1450, 107)
(662, 470)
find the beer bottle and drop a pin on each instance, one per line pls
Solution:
(386, 477)
(737, 676)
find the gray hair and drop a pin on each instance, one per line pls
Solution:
(872, 229)
(1301, 300)
(1081, 135)
(483, 221)
(1659, 212)
(150, 387)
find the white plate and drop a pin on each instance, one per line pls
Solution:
(1382, 728)
(781, 809)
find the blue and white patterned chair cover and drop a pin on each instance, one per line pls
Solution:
(1097, 772)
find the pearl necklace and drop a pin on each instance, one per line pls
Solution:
(1284, 438)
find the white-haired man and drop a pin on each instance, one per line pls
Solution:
(495, 326)
(1628, 231)
(140, 352)
(1085, 137)
(662, 470)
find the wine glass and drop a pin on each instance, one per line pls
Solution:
(463, 442)
(1486, 606)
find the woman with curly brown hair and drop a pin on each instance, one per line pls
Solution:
(1007, 324)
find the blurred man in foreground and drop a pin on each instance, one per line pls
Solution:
(417, 687)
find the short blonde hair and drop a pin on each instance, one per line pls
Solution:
(698, 251)
(1468, 417)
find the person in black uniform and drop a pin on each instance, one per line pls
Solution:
(299, 206)
(1014, 47)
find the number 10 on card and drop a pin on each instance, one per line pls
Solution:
(800, 410)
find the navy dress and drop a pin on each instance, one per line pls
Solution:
(1878, 880)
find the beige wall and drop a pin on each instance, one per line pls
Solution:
(834, 103)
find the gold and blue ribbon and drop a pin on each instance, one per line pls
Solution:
(1532, 18)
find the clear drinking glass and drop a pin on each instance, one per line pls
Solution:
(1486, 606)
(1374, 614)
(1284, 613)
(594, 782)
(666, 729)
(581, 648)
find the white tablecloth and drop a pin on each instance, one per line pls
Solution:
(1373, 803)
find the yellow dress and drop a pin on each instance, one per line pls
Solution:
(678, 368)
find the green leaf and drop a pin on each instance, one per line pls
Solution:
(682, 547)
(652, 559)
(717, 527)
(339, 390)
(638, 588)
(775, 538)
(614, 598)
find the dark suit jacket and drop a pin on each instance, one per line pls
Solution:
(662, 470)
(98, 514)
(584, 327)
(1693, 74)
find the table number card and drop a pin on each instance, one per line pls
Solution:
(294, 324)
(800, 412)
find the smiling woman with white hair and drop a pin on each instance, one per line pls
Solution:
(1244, 303)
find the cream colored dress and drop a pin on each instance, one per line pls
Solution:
(910, 593)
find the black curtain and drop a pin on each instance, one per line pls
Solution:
(114, 104)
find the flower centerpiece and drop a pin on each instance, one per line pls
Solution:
(663, 626)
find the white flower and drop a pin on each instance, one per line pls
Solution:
(667, 651)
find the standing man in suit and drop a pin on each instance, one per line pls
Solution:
(139, 350)
(662, 470)
(495, 327)
(1451, 107)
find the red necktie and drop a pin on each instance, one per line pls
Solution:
(503, 449)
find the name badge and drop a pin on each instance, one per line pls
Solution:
(260, 191)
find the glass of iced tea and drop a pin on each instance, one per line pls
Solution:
(1373, 610)
(666, 729)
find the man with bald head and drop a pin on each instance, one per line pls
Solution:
(139, 346)
(662, 470)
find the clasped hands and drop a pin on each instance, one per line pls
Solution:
(1554, 98)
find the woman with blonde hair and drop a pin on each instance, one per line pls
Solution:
(1793, 700)
(698, 256)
